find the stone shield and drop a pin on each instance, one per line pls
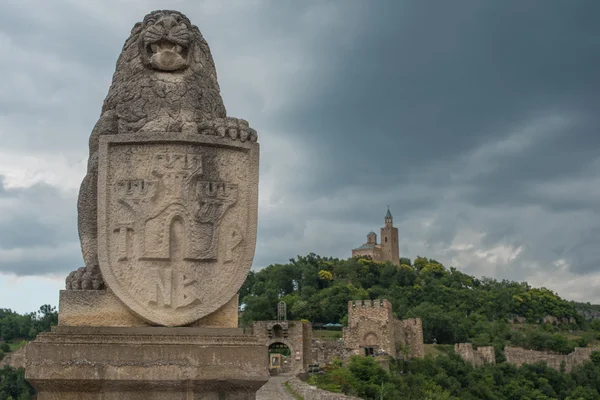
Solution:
(177, 218)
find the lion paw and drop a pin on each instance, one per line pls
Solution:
(85, 279)
(233, 128)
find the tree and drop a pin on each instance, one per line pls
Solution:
(595, 358)
(13, 384)
(325, 275)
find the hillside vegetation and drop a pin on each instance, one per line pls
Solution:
(448, 377)
(455, 307)
(15, 331)
(15, 327)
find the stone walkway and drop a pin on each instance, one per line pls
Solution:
(274, 390)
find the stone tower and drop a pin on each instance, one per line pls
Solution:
(372, 238)
(372, 329)
(389, 240)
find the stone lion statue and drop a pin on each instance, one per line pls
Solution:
(165, 81)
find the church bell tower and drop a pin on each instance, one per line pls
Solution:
(389, 240)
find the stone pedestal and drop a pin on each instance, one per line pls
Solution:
(149, 363)
(102, 308)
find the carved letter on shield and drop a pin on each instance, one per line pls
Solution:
(177, 228)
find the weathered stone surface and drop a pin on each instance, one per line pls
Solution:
(14, 359)
(296, 335)
(94, 308)
(146, 363)
(409, 332)
(102, 308)
(224, 317)
(325, 351)
(371, 324)
(478, 357)
(519, 356)
(165, 83)
(177, 221)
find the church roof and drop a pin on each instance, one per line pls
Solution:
(365, 247)
(388, 214)
(371, 233)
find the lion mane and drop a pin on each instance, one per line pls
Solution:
(140, 93)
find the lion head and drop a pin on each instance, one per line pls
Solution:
(165, 41)
(166, 47)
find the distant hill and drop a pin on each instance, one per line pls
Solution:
(15, 331)
(455, 307)
(15, 327)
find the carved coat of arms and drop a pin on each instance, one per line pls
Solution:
(177, 218)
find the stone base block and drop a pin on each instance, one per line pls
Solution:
(149, 363)
(102, 308)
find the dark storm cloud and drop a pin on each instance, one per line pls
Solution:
(475, 120)
(59, 264)
(426, 82)
(45, 202)
(37, 230)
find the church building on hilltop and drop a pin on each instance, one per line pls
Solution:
(387, 250)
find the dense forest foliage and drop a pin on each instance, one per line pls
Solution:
(14, 326)
(455, 307)
(13, 385)
(15, 330)
(448, 377)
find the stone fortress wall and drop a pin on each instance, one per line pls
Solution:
(14, 359)
(548, 319)
(307, 344)
(409, 332)
(325, 351)
(519, 356)
(478, 357)
(373, 252)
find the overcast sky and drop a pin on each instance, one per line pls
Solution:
(477, 122)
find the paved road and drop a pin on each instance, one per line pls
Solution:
(274, 390)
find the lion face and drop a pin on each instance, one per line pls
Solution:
(165, 67)
(165, 41)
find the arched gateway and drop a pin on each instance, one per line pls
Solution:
(280, 357)
(289, 343)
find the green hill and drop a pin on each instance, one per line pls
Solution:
(15, 327)
(15, 331)
(455, 307)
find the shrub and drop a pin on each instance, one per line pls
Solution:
(595, 357)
